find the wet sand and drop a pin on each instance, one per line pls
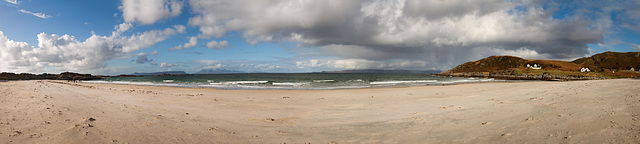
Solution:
(597, 111)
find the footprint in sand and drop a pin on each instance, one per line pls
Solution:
(213, 129)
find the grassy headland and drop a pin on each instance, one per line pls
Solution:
(606, 65)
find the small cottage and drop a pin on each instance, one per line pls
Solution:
(584, 69)
(534, 66)
(632, 69)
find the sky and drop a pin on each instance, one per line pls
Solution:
(124, 36)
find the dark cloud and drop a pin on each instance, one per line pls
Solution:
(142, 58)
(436, 9)
(445, 33)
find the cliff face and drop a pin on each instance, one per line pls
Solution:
(611, 61)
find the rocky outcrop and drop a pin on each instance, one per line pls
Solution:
(76, 76)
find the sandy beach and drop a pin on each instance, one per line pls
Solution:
(597, 111)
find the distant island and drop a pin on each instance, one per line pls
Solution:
(600, 66)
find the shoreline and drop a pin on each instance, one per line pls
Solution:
(195, 85)
(379, 87)
(47, 111)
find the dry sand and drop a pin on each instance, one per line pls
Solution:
(599, 111)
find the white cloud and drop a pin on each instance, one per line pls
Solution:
(193, 41)
(66, 53)
(15, 55)
(123, 27)
(214, 66)
(265, 66)
(164, 65)
(149, 11)
(40, 15)
(636, 47)
(218, 45)
(13, 1)
(522, 52)
(148, 38)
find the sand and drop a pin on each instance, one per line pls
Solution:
(598, 111)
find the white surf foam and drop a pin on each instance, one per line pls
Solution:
(289, 83)
(401, 82)
(320, 81)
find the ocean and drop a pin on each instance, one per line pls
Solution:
(305, 81)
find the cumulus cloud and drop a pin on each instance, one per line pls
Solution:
(40, 15)
(193, 41)
(217, 45)
(13, 1)
(147, 38)
(66, 53)
(443, 32)
(149, 11)
(14, 55)
(123, 27)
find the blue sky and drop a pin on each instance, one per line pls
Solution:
(121, 37)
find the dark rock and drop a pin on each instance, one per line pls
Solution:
(61, 76)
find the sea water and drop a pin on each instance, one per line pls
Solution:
(312, 81)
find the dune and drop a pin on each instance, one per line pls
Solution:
(49, 111)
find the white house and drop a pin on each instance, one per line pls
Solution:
(584, 69)
(534, 66)
(632, 69)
